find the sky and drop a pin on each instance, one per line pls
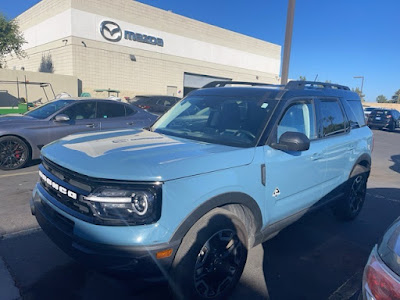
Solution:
(333, 40)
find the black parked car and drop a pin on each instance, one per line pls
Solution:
(22, 136)
(153, 103)
(384, 118)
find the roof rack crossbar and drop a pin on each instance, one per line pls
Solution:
(224, 83)
(301, 85)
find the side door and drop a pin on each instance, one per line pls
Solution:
(294, 179)
(82, 118)
(112, 115)
(339, 144)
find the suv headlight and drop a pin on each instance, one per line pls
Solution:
(126, 205)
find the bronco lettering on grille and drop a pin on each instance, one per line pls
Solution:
(57, 187)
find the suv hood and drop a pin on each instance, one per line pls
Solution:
(141, 155)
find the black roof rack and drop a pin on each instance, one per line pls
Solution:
(224, 83)
(302, 85)
(291, 85)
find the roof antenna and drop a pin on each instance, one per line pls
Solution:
(316, 78)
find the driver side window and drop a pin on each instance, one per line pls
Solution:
(81, 111)
(299, 117)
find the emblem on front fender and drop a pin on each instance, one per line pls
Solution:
(276, 193)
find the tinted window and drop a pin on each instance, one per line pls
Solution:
(107, 110)
(165, 102)
(355, 113)
(332, 119)
(48, 109)
(129, 110)
(143, 100)
(298, 118)
(380, 112)
(228, 120)
(81, 111)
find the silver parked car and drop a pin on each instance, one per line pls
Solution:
(22, 136)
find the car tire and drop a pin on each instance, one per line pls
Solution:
(14, 153)
(211, 257)
(349, 206)
(392, 126)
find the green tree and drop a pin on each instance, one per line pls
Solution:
(381, 99)
(46, 65)
(396, 97)
(11, 40)
(302, 78)
(358, 91)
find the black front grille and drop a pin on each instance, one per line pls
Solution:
(72, 183)
(65, 175)
(81, 185)
(76, 205)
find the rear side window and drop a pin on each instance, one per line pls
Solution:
(110, 110)
(129, 111)
(355, 113)
(331, 117)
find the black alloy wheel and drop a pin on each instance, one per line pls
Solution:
(14, 153)
(349, 206)
(392, 126)
(357, 193)
(217, 263)
(211, 257)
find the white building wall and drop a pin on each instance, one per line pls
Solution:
(72, 36)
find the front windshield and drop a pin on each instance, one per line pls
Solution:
(47, 109)
(233, 121)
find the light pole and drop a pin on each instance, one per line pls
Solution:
(288, 41)
(362, 81)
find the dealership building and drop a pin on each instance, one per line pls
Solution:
(139, 49)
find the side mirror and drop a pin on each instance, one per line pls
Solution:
(61, 118)
(292, 141)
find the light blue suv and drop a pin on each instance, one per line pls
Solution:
(225, 169)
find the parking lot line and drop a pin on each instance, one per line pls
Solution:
(349, 287)
(18, 174)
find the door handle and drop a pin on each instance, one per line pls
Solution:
(316, 156)
(351, 148)
(130, 123)
(91, 125)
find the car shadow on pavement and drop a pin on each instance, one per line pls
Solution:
(320, 257)
(33, 162)
(74, 281)
(396, 160)
(311, 259)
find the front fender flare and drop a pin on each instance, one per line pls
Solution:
(219, 201)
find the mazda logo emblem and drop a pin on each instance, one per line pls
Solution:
(111, 31)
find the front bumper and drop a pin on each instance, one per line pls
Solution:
(139, 260)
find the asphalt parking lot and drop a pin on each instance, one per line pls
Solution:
(318, 257)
